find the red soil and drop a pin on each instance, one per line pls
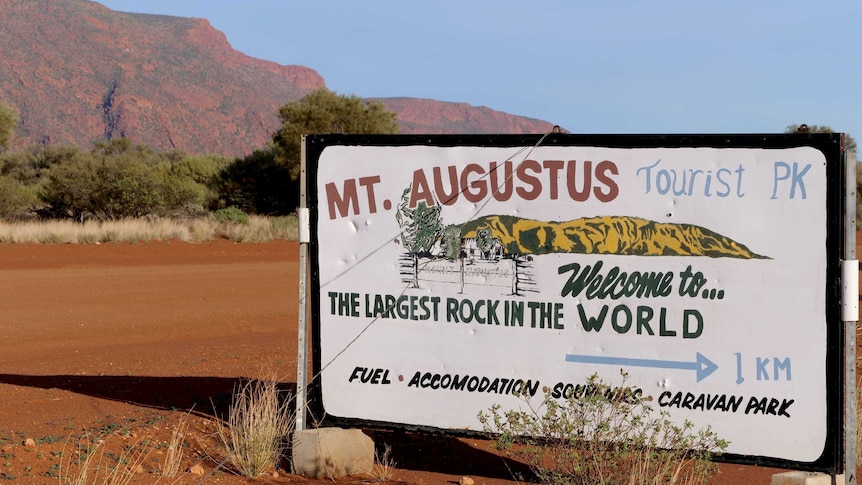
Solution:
(120, 339)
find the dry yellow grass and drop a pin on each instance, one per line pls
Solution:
(174, 455)
(258, 229)
(90, 466)
(257, 427)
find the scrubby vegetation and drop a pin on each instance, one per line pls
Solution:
(254, 435)
(607, 436)
(124, 192)
(118, 181)
(115, 180)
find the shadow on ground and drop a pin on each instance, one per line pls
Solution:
(447, 455)
(206, 395)
(212, 396)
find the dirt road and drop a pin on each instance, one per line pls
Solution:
(119, 339)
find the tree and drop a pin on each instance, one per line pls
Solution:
(267, 181)
(421, 227)
(849, 142)
(258, 184)
(450, 242)
(15, 199)
(484, 241)
(110, 187)
(8, 123)
(324, 111)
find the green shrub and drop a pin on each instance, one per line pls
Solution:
(14, 199)
(115, 188)
(203, 171)
(603, 436)
(32, 165)
(258, 184)
(231, 215)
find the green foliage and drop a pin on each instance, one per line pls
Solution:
(70, 188)
(203, 169)
(484, 240)
(324, 111)
(32, 165)
(421, 226)
(450, 242)
(232, 215)
(267, 181)
(14, 199)
(605, 435)
(8, 123)
(118, 146)
(115, 179)
(116, 183)
(258, 184)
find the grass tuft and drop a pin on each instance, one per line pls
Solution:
(89, 464)
(383, 469)
(259, 422)
(174, 454)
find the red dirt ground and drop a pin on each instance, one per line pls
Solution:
(118, 340)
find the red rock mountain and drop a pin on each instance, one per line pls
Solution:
(78, 72)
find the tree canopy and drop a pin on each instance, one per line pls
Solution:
(8, 123)
(267, 181)
(849, 141)
(324, 111)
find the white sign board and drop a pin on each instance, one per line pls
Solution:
(451, 276)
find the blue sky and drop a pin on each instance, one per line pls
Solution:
(674, 66)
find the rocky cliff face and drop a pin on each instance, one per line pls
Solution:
(430, 116)
(78, 72)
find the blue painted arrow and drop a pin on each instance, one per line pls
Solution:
(703, 366)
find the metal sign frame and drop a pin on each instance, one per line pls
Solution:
(830, 145)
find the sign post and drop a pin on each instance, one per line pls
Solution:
(850, 316)
(454, 273)
(302, 342)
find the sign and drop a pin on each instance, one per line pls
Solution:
(455, 273)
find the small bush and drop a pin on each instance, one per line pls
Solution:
(258, 184)
(606, 436)
(231, 214)
(14, 199)
(113, 189)
(259, 422)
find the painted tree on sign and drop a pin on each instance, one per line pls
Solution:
(421, 227)
(484, 241)
(450, 242)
